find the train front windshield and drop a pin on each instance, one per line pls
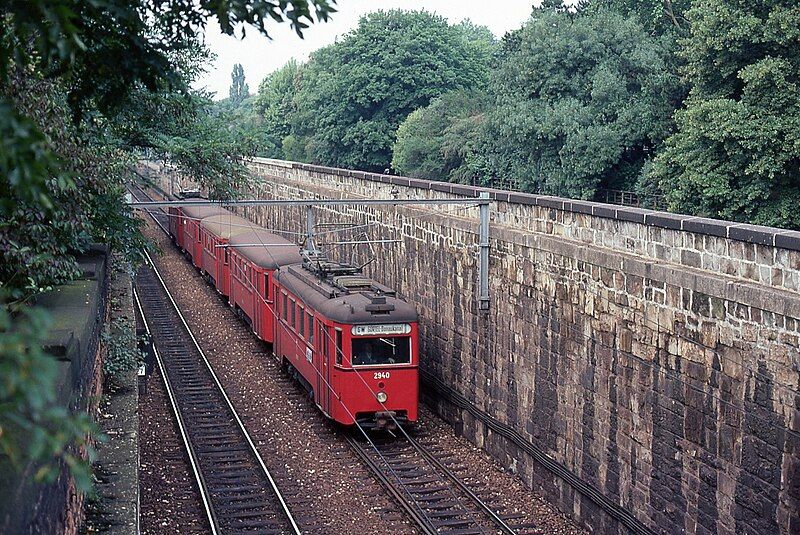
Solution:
(381, 351)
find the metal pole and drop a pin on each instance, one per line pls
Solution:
(483, 267)
(310, 228)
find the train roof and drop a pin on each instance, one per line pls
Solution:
(227, 225)
(352, 298)
(266, 256)
(202, 211)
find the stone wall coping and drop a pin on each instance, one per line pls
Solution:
(756, 234)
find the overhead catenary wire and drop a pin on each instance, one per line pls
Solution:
(644, 318)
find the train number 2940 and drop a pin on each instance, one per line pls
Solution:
(381, 375)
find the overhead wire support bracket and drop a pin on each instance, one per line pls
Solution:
(482, 202)
(483, 243)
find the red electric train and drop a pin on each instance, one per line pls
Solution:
(215, 232)
(255, 255)
(351, 341)
(188, 228)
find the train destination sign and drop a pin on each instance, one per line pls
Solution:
(394, 328)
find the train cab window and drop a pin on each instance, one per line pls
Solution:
(310, 328)
(339, 347)
(285, 306)
(301, 325)
(381, 351)
(293, 312)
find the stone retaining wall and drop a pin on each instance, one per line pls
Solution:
(653, 355)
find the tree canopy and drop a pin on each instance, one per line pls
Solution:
(438, 142)
(351, 96)
(239, 89)
(692, 101)
(736, 152)
(276, 107)
(579, 102)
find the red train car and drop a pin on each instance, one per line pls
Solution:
(216, 231)
(255, 255)
(351, 341)
(189, 228)
(176, 221)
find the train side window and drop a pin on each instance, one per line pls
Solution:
(301, 325)
(338, 346)
(227, 255)
(293, 311)
(266, 286)
(285, 306)
(310, 328)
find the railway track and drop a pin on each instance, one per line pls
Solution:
(424, 484)
(159, 215)
(429, 491)
(238, 492)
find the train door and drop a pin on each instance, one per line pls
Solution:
(260, 302)
(322, 365)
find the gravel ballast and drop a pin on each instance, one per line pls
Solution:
(324, 480)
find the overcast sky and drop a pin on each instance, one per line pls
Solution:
(259, 56)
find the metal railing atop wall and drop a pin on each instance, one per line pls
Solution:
(631, 198)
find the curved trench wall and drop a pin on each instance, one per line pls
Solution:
(651, 356)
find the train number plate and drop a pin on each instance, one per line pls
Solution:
(381, 375)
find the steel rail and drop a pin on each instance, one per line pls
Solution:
(284, 506)
(408, 505)
(499, 522)
(193, 462)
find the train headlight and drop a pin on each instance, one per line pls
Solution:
(382, 397)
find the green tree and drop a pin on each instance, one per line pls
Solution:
(275, 105)
(736, 152)
(580, 101)
(437, 142)
(657, 16)
(239, 89)
(71, 73)
(355, 93)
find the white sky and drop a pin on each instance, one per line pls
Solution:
(259, 56)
